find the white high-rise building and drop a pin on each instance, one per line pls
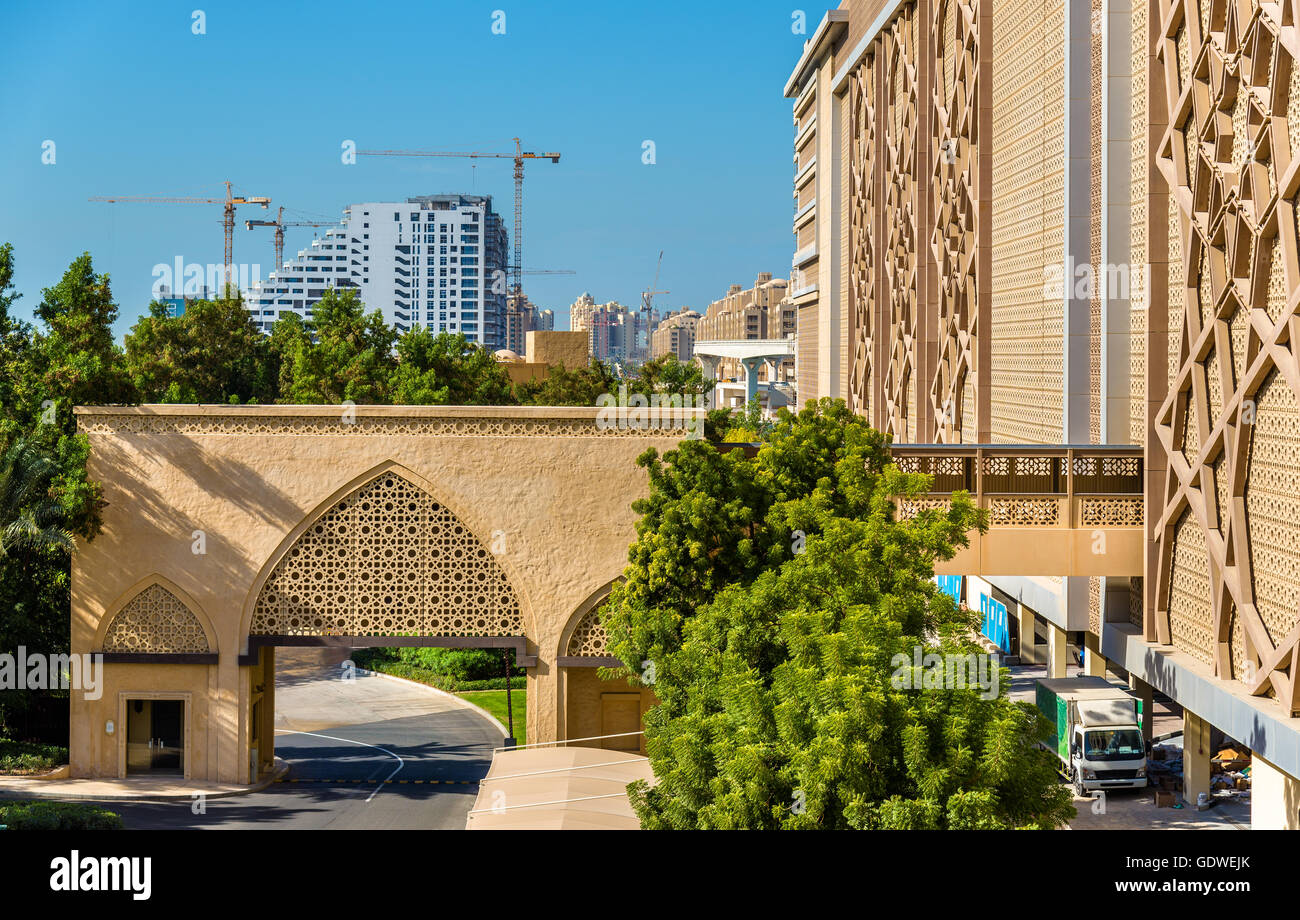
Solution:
(436, 260)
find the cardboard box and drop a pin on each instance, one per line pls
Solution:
(1165, 798)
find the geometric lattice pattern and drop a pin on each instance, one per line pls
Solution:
(1229, 425)
(589, 639)
(155, 622)
(900, 93)
(388, 560)
(862, 222)
(953, 241)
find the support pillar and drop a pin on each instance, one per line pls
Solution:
(1094, 665)
(1056, 651)
(1274, 798)
(1197, 752)
(1146, 693)
(751, 378)
(1028, 650)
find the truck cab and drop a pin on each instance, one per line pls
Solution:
(1098, 732)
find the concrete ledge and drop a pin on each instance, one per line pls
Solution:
(1258, 722)
(138, 789)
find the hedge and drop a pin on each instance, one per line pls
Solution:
(58, 816)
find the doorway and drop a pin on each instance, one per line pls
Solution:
(155, 736)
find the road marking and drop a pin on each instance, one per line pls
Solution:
(400, 762)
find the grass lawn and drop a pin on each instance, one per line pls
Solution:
(21, 757)
(494, 701)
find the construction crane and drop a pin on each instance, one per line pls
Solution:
(279, 224)
(519, 156)
(648, 300)
(648, 295)
(228, 222)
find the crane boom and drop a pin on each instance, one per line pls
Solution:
(519, 156)
(279, 224)
(228, 215)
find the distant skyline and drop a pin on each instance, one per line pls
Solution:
(136, 103)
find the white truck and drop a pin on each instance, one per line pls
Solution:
(1098, 732)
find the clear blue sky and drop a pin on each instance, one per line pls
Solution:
(137, 104)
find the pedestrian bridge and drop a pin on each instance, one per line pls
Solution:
(1053, 510)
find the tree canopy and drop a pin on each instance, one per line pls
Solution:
(767, 601)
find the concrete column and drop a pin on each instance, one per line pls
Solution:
(1196, 756)
(751, 378)
(1025, 619)
(1056, 651)
(1146, 693)
(1274, 798)
(1093, 664)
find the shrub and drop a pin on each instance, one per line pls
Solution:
(22, 757)
(58, 816)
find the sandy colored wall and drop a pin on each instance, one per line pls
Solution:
(250, 478)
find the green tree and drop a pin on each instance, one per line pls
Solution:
(15, 338)
(447, 369)
(582, 386)
(30, 519)
(668, 375)
(73, 360)
(771, 598)
(212, 353)
(713, 518)
(341, 354)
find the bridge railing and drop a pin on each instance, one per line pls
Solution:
(1051, 486)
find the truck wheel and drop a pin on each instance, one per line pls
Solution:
(1078, 784)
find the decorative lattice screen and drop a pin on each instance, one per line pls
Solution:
(388, 560)
(589, 638)
(156, 622)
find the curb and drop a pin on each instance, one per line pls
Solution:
(281, 769)
(451, 696)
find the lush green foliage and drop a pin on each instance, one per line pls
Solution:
(21, 757)
(457, 665)
(211, 353)
(58, 816)
(767, 600)
(342, 354)
(447, 369)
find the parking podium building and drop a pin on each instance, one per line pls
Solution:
(1073, 224)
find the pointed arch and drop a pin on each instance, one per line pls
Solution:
(155, 617)
(583, 642)
(383, 556)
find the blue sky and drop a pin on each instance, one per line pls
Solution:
(137, 104)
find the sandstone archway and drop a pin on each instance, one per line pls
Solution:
(387, 560)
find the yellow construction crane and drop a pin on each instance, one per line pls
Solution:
(279, 224)
(228, 222)
(518, 156)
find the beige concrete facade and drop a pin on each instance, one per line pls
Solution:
(229, 530)
(675, 335)
(1074, 223)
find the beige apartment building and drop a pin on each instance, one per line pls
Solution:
(675, 335)
(759, 312)
(1074, 223)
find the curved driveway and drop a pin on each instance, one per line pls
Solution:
(366, 753)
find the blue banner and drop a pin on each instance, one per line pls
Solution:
(995, 622)
(950, 585)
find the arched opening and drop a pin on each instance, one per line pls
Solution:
(382, 564)
(610, 710)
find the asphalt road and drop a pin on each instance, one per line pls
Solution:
(368, 753)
